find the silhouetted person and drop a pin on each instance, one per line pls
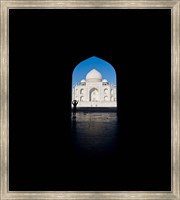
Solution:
(74, 103)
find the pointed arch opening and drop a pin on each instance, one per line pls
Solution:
(94, 83)
(94, 95)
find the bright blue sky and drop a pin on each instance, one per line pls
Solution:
(94, 62)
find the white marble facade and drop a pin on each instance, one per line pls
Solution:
(94, 91)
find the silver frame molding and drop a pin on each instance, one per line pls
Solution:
(174, 5)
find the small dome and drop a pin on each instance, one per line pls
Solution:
(94, 76)
(83, 81)
(105, 81)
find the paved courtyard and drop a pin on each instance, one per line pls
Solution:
(95, 133)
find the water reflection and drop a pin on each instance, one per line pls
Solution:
(94, 133)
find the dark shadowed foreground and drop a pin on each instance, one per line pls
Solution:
(95, 142)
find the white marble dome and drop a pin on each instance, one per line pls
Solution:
(83, 81)
(105, 81)
(94, 76)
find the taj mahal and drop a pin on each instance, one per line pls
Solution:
(94, 91)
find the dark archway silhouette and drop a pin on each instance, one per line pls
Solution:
(46, 50)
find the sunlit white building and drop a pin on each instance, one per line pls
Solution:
(94, 91)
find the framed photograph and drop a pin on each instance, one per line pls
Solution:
(90, 99)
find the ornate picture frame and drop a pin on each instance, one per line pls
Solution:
(174, 5)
